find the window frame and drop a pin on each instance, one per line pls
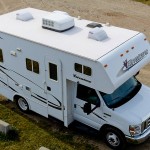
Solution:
(82, 69)
(54, 75)
(85, 90)
(32, 66)
(1, 56)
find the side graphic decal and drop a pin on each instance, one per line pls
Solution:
(8, 86)
(95, 114)
(128, 64)
(34, 95)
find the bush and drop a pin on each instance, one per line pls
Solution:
(12, 135)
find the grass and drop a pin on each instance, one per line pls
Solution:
(144, 1)
(33, 131)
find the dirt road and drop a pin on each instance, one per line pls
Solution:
(123, 13)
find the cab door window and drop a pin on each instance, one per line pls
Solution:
(87, 94)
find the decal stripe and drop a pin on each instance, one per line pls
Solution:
(50, 103)
(3, 67)
(107, 115)
(8, 86)
(59, 108)
(53, 104)
(39, 99)
(19, 75)
(98, 116)
(57, 100)
(8, 76)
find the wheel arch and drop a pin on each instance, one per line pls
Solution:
(105, 126)
(17, 96)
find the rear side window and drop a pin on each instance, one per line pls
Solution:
(29, 64)
(32, 65)
(1, 56)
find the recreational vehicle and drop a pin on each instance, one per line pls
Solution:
(75, 69)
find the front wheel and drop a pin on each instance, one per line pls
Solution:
(22, 104)
(114, 138)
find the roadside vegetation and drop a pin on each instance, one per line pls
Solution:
(144, 1)
(31, 131)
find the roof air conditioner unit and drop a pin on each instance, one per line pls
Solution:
(58, 21)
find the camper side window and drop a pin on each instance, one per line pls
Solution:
(83, 69)
(32, 65)
(87, 94)
(1, 55)
(53, 71)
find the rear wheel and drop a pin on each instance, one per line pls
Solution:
(114, 138)
(22, 104)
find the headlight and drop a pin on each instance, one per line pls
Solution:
(135, 130)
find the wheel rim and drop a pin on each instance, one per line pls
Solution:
(112, 139)
(22, 104)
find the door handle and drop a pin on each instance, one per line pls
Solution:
(48, 88)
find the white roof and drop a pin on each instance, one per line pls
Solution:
(74, 41)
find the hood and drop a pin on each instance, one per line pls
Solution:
(137, 109)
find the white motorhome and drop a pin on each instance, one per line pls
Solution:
(75, 69)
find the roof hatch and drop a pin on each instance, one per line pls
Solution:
(94, 25)
(97, 34)
(58, 21)
(24, 16)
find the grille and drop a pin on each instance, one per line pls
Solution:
(147, 123)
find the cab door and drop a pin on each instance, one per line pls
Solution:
(87, 106)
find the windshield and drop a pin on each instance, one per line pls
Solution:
(123, 94)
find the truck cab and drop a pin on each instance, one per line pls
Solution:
(119, 115)
(121, 110)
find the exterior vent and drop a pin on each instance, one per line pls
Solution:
(24, 16)
(60, 12)
(97, 34)
(58, 21)
(94, 25)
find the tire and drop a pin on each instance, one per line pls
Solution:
(114, 138)
(22, 105)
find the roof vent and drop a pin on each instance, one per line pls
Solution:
(24, 16)
(97, 34)
(94, 25)
(60, 12)
(58, 21)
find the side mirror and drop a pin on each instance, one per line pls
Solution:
(137, 73)
(87, 108)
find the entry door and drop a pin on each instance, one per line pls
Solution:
(53, 87)
(85, 95)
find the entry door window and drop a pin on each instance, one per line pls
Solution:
(53, 71)
(87, 94)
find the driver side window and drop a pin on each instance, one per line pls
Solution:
(87, 94)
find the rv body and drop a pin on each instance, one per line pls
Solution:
(76, 73)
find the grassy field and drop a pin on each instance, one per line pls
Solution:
(35, 131)
(144, 1)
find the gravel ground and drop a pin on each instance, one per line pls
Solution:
(123, 13)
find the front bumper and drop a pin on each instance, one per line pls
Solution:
(140, 138)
